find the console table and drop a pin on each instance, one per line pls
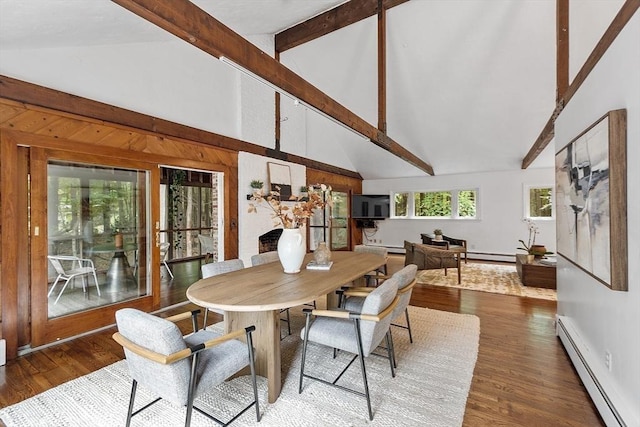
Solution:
(535, 273)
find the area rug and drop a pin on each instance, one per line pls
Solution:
(430, 388)
(495, 278)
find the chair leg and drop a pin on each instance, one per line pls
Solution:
(304, 350)
(288, 323)
(95, 278)
(252, 365)
(204, 322)
(391, 353)
(406, 312)
(61, 291)
(134, 386)
(393, 350)
(53, 286)
(362, 367)
(192, 389)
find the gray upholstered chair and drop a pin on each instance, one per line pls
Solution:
(382, 270)
(357, 333)
(355, 297)
(267, 258)
(214, 269)
(69, 267)
(178, 368)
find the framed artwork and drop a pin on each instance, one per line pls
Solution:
(591, 200)
(280, 179)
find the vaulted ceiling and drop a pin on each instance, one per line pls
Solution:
(469, 84)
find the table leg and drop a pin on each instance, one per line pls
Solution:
(266, 340)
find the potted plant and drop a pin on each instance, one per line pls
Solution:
(530, 247)
(438, 234)
(256, 184)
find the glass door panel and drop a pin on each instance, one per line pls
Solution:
(98, 236)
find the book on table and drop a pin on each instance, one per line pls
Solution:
(312, 265)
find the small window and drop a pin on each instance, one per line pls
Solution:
(401, 204)
(433, 204)
(467, 203)
(539, 202)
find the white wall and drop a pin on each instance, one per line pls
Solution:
(602, 320)
(500, 211)
(170, 80)
(252, 225)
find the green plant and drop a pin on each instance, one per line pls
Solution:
(256, 184)
(304, 189)
(437, 232)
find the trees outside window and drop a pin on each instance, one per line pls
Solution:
(456, 204)
(539, 202)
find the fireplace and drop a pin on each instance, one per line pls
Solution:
(269, 241)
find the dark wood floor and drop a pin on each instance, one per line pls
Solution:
(523, 377)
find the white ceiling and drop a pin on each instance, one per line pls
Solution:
(470, 83)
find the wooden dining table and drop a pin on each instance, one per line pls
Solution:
(255, 296)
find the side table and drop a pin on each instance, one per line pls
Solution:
(536, 273)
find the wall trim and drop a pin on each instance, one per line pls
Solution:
(597, 388)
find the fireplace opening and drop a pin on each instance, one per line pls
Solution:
(269, 241)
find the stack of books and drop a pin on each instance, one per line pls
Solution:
(313, 266)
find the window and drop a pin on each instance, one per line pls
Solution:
(432, 204)
(400, 204)
(457, 204)
(539, 202)
(467, 204)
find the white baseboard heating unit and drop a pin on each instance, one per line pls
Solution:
(602, 401)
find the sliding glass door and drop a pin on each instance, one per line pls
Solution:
(92, 245)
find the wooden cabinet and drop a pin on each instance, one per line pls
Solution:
(535, 273)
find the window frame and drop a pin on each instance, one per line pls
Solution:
(526, 197)
(454, 204)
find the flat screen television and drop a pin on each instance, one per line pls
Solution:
(370, 206)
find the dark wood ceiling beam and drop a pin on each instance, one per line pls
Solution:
(332, 20)
(185, 20)
(627, 10)
(382, 68)
(562, 47)
(31, 94)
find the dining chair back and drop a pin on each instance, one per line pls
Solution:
(214, 269)
(359, 333)
(178, 368)
(267, 258)
(372, 277)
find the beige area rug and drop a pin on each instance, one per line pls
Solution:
(430, 388)
(495, 278)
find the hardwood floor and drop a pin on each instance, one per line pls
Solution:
(523, 377)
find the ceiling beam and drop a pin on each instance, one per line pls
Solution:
(329, 21)
(40, 96)
(185, 20)
(627, 10)
(382, 68)
(562, 47)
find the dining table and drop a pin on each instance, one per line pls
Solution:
(256, 295)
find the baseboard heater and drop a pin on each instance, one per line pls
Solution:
(603, 403)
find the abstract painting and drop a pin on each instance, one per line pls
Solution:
(591, 210)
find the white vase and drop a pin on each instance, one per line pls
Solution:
(291, 249)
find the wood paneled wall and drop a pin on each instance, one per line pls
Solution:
(23, 124)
